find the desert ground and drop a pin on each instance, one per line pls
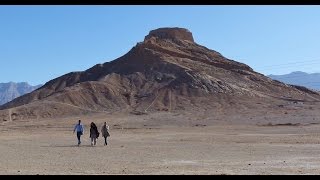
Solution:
(48, 146)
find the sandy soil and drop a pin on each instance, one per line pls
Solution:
(49, 147)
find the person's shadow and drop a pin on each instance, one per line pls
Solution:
(60, 146)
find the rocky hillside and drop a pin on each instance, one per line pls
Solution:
(168, 71)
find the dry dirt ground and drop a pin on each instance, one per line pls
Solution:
(48, 146)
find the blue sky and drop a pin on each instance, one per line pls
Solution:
(39, 43)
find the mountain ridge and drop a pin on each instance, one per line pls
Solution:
(12, 90)
(309, 80)
(168, 71)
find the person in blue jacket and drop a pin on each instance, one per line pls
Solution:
(80, 129)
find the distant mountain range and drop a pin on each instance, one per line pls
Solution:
(12, 90)
(311, 81)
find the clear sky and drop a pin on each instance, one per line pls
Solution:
(39, 43)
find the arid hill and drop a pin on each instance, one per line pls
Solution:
(168, 71)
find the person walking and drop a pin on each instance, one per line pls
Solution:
(105, 132)
(80, 129)
(94, 133)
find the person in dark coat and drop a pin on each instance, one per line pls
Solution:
(94, 134)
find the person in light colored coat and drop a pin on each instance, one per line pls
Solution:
(105, 132)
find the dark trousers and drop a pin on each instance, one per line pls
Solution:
(105, 141)
(79, 136)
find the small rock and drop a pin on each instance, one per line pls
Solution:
(249, 164)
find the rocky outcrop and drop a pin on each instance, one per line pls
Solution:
(171, 33)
